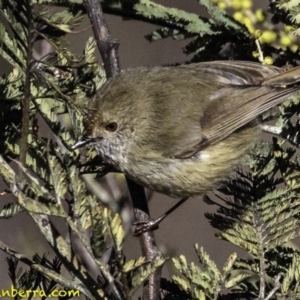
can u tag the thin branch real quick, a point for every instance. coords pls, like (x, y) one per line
(276, 287)
(27, 92)
(108, 49)
(261, 251)
(53, 237)
(107, 46)
(70, 284)
(147, 240)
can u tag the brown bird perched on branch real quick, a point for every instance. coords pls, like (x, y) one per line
(181, 130)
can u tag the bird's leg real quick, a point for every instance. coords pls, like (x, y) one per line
(143, 226)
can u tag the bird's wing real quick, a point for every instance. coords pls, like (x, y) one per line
(242, 100)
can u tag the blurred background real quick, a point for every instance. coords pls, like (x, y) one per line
(178, 233)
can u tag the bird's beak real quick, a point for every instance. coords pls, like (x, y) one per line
(83, 141)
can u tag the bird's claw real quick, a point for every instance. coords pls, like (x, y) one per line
(145, 226)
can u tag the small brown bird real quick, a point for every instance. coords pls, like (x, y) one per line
(181, 130)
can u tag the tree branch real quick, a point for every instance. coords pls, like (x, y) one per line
(27, 90)
(70, 284)
(108, 48)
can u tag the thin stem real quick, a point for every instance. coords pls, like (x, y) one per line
(108, 49)
(261, 253)
(75, 285)
(276, 287)
(53, 237)
(27, 92)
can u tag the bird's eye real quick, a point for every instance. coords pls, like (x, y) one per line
(111, 127)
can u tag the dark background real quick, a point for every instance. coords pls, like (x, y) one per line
(188, 225)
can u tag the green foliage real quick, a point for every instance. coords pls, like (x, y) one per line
(292, 9)
(206, 37)
(271, 36)
(59, 82)
(258, 210)
(29, 280)
(259, 213)
(262, 211)
(208, 282)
